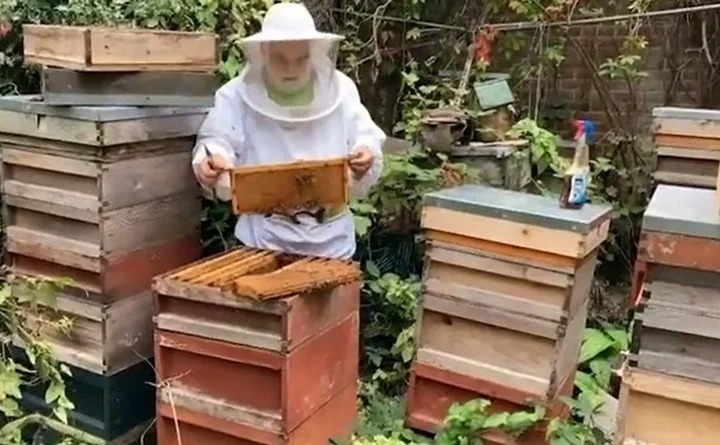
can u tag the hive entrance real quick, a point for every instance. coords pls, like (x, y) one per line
(263, 275)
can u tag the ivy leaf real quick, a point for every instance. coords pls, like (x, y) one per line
(10, 408)
(5, 293)
(372, 269)
(55, 391)
(594, 344)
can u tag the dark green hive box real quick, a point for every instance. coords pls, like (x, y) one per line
(106, 406)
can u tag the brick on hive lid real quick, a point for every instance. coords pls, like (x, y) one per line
(283, 188)
(473, 213)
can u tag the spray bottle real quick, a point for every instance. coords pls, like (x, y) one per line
(577, 176)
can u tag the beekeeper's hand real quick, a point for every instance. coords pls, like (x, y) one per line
(361, 159)
(210, 169)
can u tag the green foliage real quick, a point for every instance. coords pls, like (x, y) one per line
(389, 306)
(27, 306)
(542, 144)
(599, 350)
(466, 423)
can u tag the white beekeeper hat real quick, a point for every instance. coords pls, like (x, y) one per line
(285, 22)
(289, 21)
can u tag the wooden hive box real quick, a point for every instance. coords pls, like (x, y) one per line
(287, 187)
(105, 196)
(688, 146)
(681, 231)
(677, 330)
(150, 88)
(104, 339)
(117, 409)
(660, 409)
(506, 286)
(290, 355)
(84, 48)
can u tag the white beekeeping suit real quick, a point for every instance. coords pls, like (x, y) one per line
(290, 103)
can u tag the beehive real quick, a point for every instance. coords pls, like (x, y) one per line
(659, 409)
(287, 187)
(291, 349)
(84, 48)
(688, 146)
(506, 286)
(102, 195)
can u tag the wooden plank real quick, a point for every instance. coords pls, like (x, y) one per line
(177, 425)
(680, 365)
(501, 301)
(60, 250)
(119, 49)
(128, 332)
(685, 141)
(138, 181)
(284, 187)
(686, 171)
(48, 162)
(568, 347)
(490, 315)
(130, 228)
(687, 127)
(682, 318)
(564, 243)
(96, 133)
(520, 296)
(680, 251)
(667, 410)
(689, 153)
(68, 87)
(692, 296)
(478, 260)
(505, 357)
(685, 390)
(49, 207)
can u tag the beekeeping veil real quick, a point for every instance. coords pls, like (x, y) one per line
(290, 60)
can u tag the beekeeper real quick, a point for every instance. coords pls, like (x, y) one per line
(290, 103)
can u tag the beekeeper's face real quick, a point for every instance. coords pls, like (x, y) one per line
(288, 64)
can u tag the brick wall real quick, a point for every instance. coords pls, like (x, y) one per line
(671, 62)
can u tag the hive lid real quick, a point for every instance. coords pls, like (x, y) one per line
(33, 104)
(686, 113)
(683, 210)
(518, 207)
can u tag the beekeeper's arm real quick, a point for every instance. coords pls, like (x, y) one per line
(220, 133)
(364, 133)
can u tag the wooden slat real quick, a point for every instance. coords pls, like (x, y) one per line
(130, 228)
(74, 200)
(680, 365)
(68, 87)
(684, 141)
(688, 128)
(559, 242)
(505, 302)
(48, 162)
(491, 315)
(65, 251)
(119, 49)
(682, 318)
(689, 153)
(523, 382)
(686, 390)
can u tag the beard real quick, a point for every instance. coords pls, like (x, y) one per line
(287, 84)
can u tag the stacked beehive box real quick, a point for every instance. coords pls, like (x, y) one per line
(257, 347)
(671, 389)
(687, 141)
(105, 196)
(505, 300)
(688, 146)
